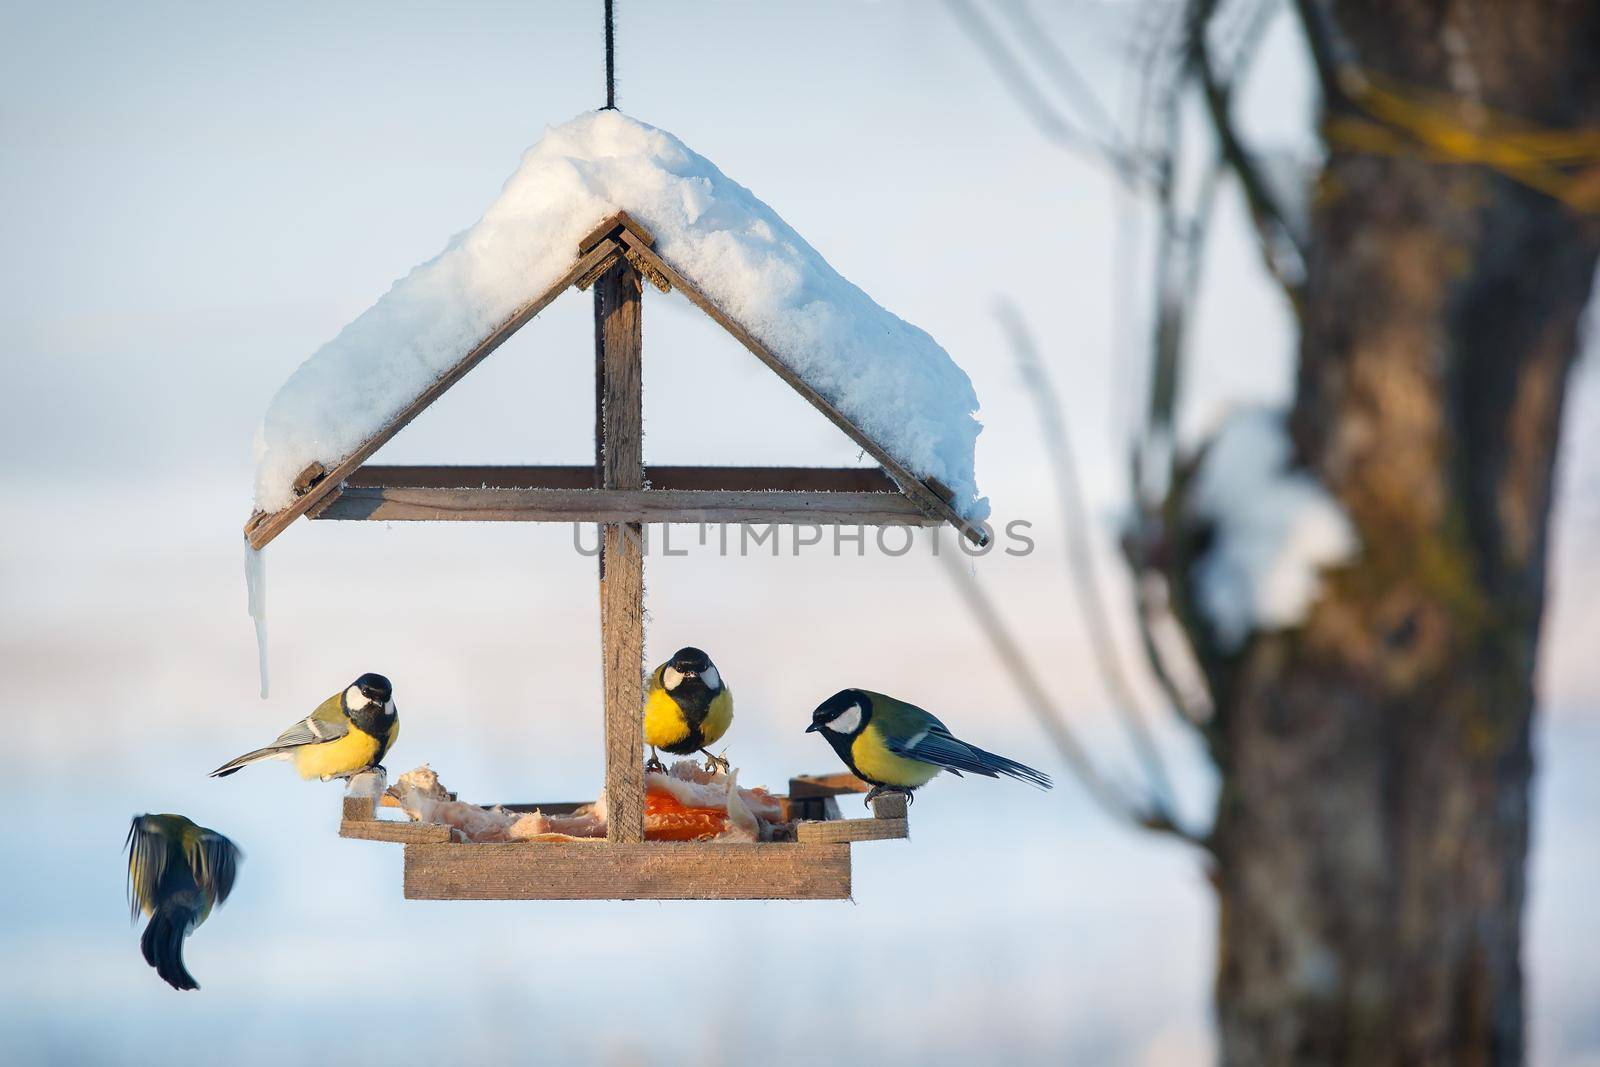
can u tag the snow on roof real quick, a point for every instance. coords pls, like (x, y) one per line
(1276, 530)
(889, 377)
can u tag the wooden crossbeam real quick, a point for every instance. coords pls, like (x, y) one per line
(784, 479)
(428, 504)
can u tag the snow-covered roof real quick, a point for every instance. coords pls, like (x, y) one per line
(892, 380)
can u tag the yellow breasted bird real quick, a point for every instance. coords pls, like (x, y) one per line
(347, 734)
(899, 747)
(177, 872)
(687, 708)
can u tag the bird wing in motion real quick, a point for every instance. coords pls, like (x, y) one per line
(213, 860)
(936, 745)
(147, 862)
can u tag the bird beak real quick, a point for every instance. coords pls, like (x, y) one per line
(813, 728)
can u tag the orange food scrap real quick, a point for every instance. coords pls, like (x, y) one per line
(667, 819)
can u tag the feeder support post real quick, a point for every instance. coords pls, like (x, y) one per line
(619, 457)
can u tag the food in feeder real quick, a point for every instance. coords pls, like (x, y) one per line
(177, 872)
(424, 799)
(348, 733)
(686, 803)
(688, 708)
(423, 781)
(899, 747)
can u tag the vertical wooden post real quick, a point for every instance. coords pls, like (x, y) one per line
(620, 457)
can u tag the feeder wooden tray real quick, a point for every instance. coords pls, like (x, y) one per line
(811, 863)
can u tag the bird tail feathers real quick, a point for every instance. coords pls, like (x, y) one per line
(998, 764)
(240, 762)
(162, 944)
(952, 754)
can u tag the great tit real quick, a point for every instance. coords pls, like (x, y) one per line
(177, 872)
(688, 708)
(899, 747)
(347, 734)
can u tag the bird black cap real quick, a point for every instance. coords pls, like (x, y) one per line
(374, 687)
(835, 706)
(690, 660)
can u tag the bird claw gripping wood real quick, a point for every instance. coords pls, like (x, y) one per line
(882, 790)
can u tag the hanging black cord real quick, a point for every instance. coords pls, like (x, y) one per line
(611, 62)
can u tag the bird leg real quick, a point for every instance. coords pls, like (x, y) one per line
(879, 790)
(654, 762)
(717, 764)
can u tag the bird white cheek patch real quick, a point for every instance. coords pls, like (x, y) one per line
(355, 699)
(847, 720)
(711, 678)
(671, 678)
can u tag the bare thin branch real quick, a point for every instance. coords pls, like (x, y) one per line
(1054, 61)
(1272, 224)
(1151, 816)
(1319, 42)
(1080, 562)
(1050, 121)
(1180, 255)
(1148, 614)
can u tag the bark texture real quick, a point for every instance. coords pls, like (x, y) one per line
(1372, 828)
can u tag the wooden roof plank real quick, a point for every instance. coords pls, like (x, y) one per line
(611, 224)
(263, 527)
(913, 486)
(598, 271)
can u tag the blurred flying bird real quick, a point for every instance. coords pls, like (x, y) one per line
(177, 872)
(899, 747)
(348, 733)
(687, 708)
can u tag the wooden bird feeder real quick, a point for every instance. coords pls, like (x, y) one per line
(620, 493)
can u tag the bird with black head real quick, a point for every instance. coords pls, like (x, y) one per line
(897, 747)
(347, 734)
(687, 709)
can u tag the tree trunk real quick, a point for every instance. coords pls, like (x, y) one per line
(1372, 829)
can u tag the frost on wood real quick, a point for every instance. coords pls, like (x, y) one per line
(255, 581)
(1275, 529)
(889, 377)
